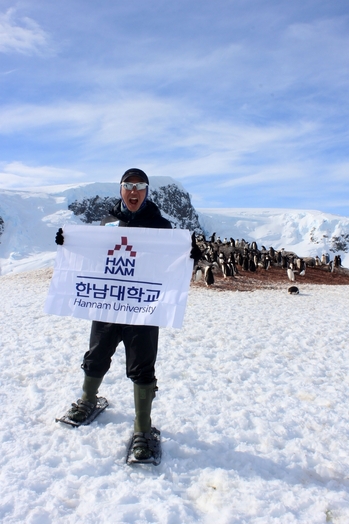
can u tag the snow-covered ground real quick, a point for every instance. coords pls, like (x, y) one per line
(252, 405)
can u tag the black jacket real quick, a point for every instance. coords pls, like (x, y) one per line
(147, 216)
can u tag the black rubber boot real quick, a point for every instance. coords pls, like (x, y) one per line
(143, 396)
(90, 388)
(80, 411)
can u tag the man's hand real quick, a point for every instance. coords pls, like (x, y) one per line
(195, 252)
(59, 237)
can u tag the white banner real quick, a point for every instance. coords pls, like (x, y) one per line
(122, 275)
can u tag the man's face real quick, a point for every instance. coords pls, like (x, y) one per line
(133, 198)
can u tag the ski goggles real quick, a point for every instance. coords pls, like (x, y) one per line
(130, 185)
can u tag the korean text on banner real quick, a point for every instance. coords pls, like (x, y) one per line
(122, 275)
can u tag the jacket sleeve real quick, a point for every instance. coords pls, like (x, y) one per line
(108, 220)
(166, 224)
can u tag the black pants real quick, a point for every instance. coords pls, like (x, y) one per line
(141, 346)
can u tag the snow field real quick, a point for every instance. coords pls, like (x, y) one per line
(252, 406)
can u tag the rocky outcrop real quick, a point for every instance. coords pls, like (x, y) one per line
(173, 202)
(176, 205)
(340, 243)
(92, 209)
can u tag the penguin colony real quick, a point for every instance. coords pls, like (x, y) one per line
(231, 256)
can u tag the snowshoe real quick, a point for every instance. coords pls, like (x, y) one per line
(82, 407)
(145, 448)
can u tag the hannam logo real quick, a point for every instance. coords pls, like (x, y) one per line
(123, 261)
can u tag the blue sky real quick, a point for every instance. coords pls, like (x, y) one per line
(246, 103)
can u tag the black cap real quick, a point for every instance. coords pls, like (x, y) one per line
(134, 172)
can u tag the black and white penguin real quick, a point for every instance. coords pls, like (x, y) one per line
(290, 274)
(252, 265)
(221, 259)
(232, 269)
(208, 277)
(337, 261)
(302, 272)
(293, 290)
(225, 269)
(198, 274)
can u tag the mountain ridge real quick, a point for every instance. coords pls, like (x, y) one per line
(29, 220)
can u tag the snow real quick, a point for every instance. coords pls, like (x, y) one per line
(252, 406)
(31, 219)
(104, 189)
(305, 232)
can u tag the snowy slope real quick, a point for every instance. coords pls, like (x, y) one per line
(29, 221)
(306, 233)
(252, 405)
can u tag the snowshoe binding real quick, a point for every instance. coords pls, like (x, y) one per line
(83, 413)
(145, 448)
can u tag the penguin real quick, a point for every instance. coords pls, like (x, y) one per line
(245, 264)
(302, 273)
(225, 269)
(208, 277)
(290, 275)
(231, 265)
(252, 265)
(198, 274)
(232, 269)
(221, 259)
(293, 290)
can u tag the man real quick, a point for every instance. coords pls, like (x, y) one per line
(141, 342)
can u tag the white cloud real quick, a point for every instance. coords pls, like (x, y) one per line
(17, 175)
(28, 116)
(23, 36)
(164, 132)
